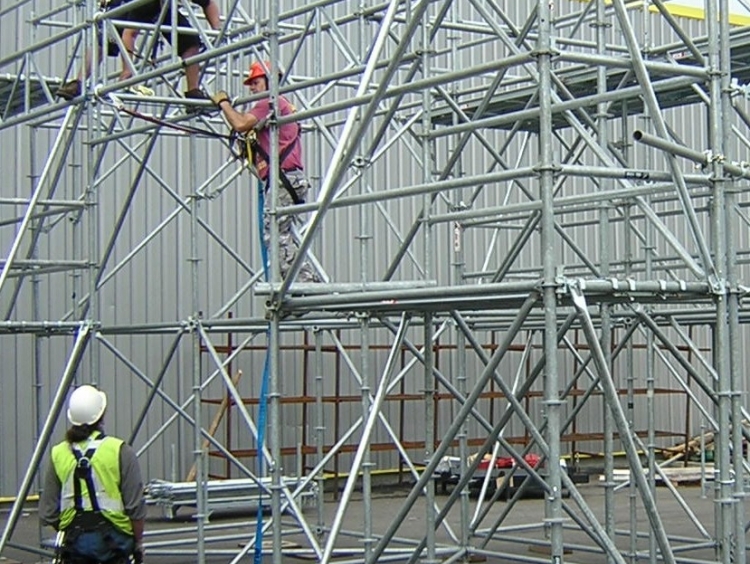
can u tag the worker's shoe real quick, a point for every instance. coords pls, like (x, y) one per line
(69, 90)
(196, 94)
(140, 90)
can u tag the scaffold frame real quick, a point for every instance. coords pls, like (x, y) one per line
(437, 131)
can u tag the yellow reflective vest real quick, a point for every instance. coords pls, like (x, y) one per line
(105, 474)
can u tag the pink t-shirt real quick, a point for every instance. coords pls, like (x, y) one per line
(288, 134)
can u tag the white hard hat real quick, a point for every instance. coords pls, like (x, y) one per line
(86, 405)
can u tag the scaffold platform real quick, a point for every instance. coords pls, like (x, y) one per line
(623, 89)
(22, 93)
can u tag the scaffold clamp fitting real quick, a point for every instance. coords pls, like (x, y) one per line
(192, 323)
(421, 51)
(562, 285)
(116, 101)
(561, 281)
(662, 287)
(718, 286)
(360, 161)
(603, 24)
(553, 168)
(742, 89)
(272, 306)
(712, 157)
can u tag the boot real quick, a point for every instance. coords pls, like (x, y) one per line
(69, 90)
(196, 94)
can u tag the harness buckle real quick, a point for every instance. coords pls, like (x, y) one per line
(84, 463)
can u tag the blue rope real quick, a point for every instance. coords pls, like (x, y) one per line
(261, 230)
(262, 409)
(263, 399)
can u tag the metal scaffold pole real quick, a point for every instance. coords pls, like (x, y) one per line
(602, 125)
(199, 454)
(736, 383)
(721, 336)
(545, 170)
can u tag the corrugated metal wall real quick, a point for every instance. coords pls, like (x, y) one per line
(155, 285)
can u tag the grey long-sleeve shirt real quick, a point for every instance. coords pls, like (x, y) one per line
(131, 489)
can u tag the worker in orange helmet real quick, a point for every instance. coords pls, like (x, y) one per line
(293, 182)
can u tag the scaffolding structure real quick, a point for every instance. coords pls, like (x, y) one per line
(528, 170)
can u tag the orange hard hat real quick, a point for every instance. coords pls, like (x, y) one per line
(257, 69)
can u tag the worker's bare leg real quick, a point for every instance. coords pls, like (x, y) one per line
(192, 71)
(128, 40)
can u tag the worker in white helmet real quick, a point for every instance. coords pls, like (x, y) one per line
(93, 490)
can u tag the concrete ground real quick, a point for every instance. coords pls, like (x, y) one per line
(230, 530)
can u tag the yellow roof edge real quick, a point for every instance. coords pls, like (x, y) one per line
(700, 14)
(684, 11)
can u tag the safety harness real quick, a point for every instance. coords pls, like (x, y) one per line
(82, 473)
(252, 147)
(88, 520)
(85, 520)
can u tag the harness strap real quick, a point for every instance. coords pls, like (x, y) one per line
(255, 147)
(81, 473)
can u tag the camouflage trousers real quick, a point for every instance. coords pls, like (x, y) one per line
(287, 243)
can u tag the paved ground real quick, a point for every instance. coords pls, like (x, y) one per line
(231, 529)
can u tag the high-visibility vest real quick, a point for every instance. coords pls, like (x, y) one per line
(105, 474)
